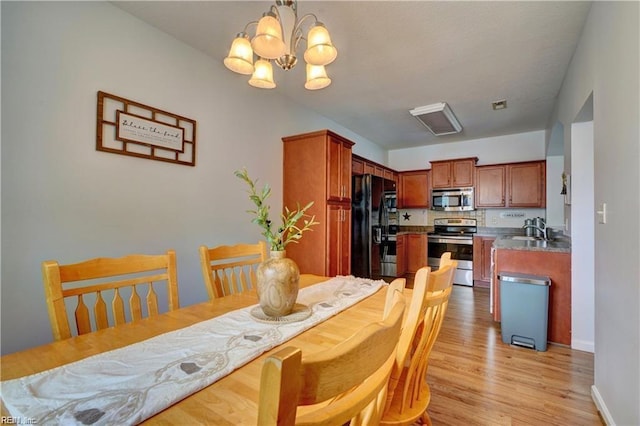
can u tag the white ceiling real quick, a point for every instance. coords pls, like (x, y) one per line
(397, 55)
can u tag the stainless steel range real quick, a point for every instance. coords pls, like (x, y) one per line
(456, 236)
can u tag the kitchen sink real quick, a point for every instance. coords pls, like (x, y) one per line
(526, 238)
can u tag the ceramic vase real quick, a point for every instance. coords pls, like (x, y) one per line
(278, 284)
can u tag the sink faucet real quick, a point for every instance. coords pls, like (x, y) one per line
(544, 230)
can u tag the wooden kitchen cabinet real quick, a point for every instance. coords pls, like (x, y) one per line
(338, 248)
(391, 175)
(357, 166)
(373, 169)
(317, 167)
(513, 185)
(526, 185)
(453, 173)
(555, 265)
(401, 255)
(491, 186)
(416, 252)
(413, 189)
(361, 166)
(482, 260)
(339, 168)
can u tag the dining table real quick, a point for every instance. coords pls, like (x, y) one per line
(231, 399)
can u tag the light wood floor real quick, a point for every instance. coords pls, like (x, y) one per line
(476, 379)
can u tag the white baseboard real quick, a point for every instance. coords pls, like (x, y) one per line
(583, 345)
(602, 407)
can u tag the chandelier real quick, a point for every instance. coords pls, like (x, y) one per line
(277, 36)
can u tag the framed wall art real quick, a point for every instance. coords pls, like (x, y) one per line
(130, 128)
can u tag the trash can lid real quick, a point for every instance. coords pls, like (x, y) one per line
(517, 277)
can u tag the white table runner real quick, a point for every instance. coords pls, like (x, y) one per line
(131, 384)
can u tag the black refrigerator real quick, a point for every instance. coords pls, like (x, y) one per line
(374, 227)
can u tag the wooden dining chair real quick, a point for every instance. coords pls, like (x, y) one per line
(408, 392)
(231, 269)
(346, 383)
(397, 285)
(445, 259)
(111, 278)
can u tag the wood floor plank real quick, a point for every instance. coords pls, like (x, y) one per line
(475, 379)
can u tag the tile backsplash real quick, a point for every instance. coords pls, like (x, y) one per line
(495, 218)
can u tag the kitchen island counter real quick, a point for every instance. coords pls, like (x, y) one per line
(522, 256)
(516, 242)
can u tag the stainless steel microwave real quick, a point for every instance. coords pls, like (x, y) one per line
(453, 200)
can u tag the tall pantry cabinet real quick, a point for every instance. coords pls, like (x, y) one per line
(317, 167)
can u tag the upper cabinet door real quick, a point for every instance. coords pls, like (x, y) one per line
(414, 189)
(463, 172)
(339, 169)
(357, 166)
(453, 173)
(441, 174)
(490, 186)
(345, 171)
(527, 186)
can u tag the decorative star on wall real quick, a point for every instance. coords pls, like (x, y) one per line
(406, 216)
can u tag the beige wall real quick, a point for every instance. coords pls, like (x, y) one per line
(61, 199)
(606, 65)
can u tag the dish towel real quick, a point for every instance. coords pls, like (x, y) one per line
(131, 384)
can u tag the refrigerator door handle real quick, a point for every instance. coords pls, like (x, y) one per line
(384, 214)
(377, 235)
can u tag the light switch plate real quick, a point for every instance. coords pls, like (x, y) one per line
(602, 213)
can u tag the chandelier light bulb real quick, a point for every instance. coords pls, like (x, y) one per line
(240, 58)
(268, 40)
(262, 77)
(316, 77)
(319, 51)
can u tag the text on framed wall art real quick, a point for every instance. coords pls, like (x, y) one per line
(131, 128)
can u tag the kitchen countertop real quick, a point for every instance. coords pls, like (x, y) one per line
(515, 242)
(506, 238)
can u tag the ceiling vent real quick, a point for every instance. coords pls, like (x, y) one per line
(438, 118)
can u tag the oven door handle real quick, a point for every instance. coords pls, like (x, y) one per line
(450, 240)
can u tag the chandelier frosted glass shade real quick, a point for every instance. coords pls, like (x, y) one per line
(277, 36)
(319, 51)
(240, 58)
(316, 77)
(262, 75)
(267, 42)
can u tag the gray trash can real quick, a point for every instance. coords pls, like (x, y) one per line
(524, 309)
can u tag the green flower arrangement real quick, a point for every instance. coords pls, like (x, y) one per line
(289, 231)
